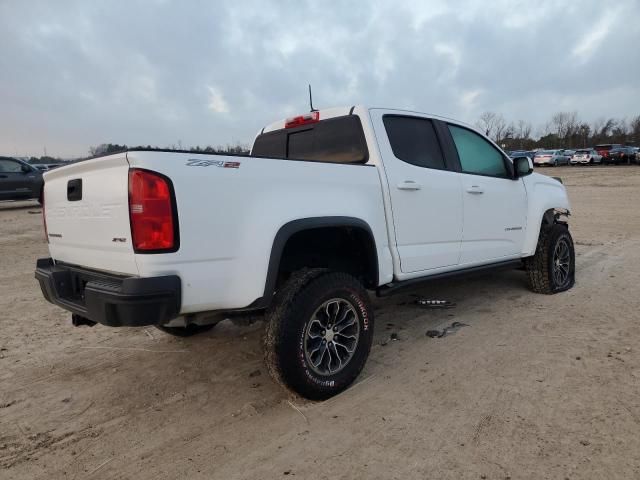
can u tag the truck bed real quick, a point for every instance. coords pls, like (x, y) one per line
(229, 209)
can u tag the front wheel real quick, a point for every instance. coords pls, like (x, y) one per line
(319, 333)
(552, 267)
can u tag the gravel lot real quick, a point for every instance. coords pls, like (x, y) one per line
(534, 387)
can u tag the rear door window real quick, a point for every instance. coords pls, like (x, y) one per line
(335, 140)
(477, 155)
(414, 140)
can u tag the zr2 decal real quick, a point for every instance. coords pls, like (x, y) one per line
(196, 162)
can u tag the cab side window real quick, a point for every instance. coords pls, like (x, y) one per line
(477, 155)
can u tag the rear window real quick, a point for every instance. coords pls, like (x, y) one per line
(335, 140)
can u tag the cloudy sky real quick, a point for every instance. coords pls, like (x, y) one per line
(80, 73)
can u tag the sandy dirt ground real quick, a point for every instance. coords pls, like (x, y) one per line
(534, 387)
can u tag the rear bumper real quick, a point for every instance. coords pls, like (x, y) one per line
(111, 300)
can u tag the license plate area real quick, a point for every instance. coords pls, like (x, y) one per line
(71, 282)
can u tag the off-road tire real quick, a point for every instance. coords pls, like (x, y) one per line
(292, 310)
(188, 331)
(540, 267)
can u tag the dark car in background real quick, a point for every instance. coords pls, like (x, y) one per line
(604, 148)
(522, 153)
(618, 155)
(19, 180)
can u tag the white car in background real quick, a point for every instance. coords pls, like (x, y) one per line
(585, 157)
(550, 157)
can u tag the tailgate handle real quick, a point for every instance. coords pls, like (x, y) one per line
(74, 190)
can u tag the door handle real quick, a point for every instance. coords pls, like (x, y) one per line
(475, 189)
(409, 185)
(3, 176)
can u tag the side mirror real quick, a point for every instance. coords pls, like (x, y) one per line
(26, 169)
(523, 166)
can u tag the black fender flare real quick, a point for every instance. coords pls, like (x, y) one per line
(284, 234)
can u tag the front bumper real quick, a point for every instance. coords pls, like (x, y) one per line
(111, 300)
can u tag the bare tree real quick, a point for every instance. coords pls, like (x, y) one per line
(502, 130)
(523, 130)
(620, 131)
(602, 129)
(492, 124)
(584, 132)
(565, 125)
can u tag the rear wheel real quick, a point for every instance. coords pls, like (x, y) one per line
(319, 333)
(552, 268)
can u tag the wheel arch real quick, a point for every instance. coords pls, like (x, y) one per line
(547, 197)
(546, 218)
(360, 228)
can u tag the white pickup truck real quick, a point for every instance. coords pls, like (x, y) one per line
(328, 205)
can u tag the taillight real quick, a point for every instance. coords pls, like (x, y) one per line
(154, 227)
(312, 117)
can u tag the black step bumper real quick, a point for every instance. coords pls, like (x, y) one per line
(111, 300)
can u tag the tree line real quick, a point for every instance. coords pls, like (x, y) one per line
(563, 130)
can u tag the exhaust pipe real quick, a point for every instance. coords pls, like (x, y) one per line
(78, 321)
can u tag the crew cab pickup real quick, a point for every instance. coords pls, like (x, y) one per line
(326, 207)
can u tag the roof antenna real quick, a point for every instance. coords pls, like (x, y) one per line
(311, 100)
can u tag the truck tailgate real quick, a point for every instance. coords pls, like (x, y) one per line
(87, 214)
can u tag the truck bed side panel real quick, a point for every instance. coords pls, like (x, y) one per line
(229, 218)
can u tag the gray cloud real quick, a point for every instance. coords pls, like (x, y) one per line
(77, 73)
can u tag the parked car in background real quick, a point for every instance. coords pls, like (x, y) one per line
(19, 180)
(618, 155)
(586, 156)
(519, 153)
(551, 158)
(637, 154)
(569, 153)
(604, 148)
